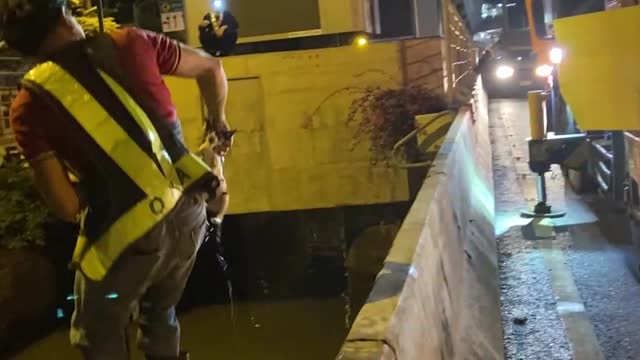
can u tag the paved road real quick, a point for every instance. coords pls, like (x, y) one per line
(567, 291)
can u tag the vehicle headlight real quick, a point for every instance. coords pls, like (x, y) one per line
(504, 71)
(544, 70)
(555, 55)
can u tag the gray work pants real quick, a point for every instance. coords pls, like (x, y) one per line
(151, 274)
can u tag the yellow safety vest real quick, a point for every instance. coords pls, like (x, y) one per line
(162, 185)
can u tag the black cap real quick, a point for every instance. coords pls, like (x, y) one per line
(219, 46)
(26, 23)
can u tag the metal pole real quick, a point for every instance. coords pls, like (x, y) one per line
(505, 16)
(100, 16)
(553, 118)
(541, 185)
(619, 165)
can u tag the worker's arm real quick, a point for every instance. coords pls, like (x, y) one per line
(50, 175)
(212, 80)
(52, 181)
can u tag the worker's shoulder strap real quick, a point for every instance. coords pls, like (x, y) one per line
(93, 67)
(73, 69)
(104, 55)
(100, 107)
(77, 62)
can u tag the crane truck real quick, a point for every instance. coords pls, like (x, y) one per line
(587, 119)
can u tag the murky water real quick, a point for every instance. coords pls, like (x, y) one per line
(297, 288)
(271, 327)
(287, 330)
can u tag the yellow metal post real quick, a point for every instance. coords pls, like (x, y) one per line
(538, 135)
(536, 114)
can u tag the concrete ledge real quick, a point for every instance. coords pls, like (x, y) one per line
(437, 296)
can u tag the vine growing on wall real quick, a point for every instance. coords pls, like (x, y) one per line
(383, 116)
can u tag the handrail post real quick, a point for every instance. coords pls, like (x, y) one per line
(100, 16)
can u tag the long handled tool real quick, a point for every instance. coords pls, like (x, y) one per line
(100, 16)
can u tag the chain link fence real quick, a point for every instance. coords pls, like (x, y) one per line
(12, 69)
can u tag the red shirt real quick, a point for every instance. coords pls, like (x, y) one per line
(145, 56)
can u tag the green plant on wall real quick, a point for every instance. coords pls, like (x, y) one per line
(88, 18)
(383, 116)
(22, 214)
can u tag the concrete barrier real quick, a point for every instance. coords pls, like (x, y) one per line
(437, 296)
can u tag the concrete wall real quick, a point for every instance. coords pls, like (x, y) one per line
(294, 150)
(437, 296)
(424, 63)
(194, 12)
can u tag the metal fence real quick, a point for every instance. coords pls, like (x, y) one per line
(12, 69)
(459, 52)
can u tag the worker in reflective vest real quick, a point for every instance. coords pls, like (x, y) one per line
(99, 109)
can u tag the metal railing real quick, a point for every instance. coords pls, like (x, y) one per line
(12, 70)
(459, 51)
(396, 158)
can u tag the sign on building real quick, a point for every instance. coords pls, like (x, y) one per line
(172, 15)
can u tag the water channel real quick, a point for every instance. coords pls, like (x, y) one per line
(299, 279)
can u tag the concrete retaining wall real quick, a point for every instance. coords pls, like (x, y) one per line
(294, 149)
(437, 296)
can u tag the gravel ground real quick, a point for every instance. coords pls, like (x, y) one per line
(525, 282)
(593, 243)
(609, 291)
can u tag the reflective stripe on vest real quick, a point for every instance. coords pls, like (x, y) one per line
(143, 122)
(187, 169)
(162, 190)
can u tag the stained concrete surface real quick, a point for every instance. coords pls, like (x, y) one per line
(565, 282)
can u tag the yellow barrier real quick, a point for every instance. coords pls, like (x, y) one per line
(536, 114)
(600, 75)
